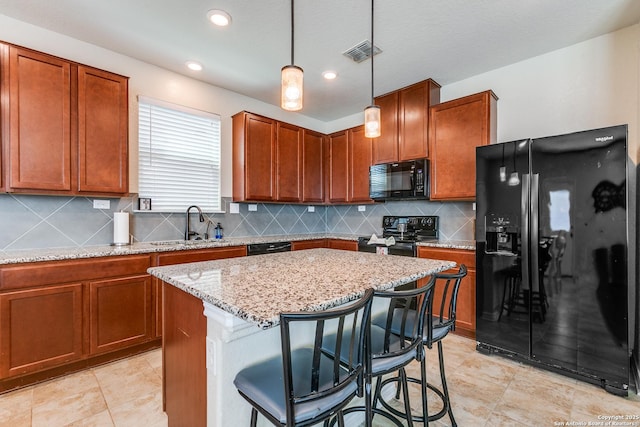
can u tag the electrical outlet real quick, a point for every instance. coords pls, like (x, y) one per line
(101, 204)
(234, 208)
(362, 208)
(253, 208)
(311, 209)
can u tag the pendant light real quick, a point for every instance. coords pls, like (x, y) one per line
(372, 112)
(514, 179)
(503, 169)
(291, 91)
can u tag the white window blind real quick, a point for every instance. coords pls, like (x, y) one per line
(179, 156)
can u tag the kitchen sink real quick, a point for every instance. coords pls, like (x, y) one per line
(178, 242)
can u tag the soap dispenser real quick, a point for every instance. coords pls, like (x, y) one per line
(218, 231)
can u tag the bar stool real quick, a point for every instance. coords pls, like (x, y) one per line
(436, 327)
(306, 385)
(390, 352)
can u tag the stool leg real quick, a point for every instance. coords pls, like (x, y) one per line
(423, 387)
(445, 389)
(254, 417)
(405, 392)
(504, 294)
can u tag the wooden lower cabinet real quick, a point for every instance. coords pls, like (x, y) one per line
(184, 377)
(309, 244)
(466, 304)
(347, 245)
(58, 317)
(181, 257)
(40, 328)
(120, 313)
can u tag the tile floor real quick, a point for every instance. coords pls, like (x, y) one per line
(486, 391)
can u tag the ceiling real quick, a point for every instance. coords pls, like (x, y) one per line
(447, 40)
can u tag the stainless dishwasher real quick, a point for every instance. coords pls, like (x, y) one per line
(268, 248)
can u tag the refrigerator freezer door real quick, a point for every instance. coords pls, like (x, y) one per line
(502, 320)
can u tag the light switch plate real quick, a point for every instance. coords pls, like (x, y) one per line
(234, 208)
(362, 208)
(253, 208)
(101, 204)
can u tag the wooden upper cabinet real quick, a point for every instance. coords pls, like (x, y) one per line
(350, 155)
(385, 147)
(288, 162)
(65, 129)
(338, 168)
(253, 157)
(102, 132)
(405, 122)
(313, 149)
(457, 127)
(40, 134)
(413, 119)
(360, 158)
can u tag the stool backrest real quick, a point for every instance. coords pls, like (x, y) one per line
(323, 378)
(404, 317)
(446, 287)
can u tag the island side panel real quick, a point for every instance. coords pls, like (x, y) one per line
(184, 383)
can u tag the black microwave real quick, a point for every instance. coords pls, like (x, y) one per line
(400, 180)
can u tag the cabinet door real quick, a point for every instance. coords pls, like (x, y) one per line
(119, 313)
(254, 158)
(39, 122)
(40, 328)
(385, 148)
(360, 154)
(288, 159)
(457, 128)
(102, 132)
(4, 113)
(413, 119)
(339, 167)
(312, 167)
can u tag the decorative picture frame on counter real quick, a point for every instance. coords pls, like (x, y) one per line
(144, 203)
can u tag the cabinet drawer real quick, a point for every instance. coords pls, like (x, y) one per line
(182, 257)
(460, 256)
(47, 273)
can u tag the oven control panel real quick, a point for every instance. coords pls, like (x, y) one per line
(414, 228)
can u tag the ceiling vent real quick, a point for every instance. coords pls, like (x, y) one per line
(361, 51)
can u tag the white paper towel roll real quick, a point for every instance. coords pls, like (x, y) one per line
(121, 228)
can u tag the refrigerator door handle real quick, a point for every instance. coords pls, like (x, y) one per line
(525, 242)
(534, 233)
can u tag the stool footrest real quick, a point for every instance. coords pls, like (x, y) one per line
(417, 418)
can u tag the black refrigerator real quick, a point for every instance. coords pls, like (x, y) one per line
(552, 254)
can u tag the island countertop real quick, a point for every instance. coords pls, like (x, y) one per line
(259, 288)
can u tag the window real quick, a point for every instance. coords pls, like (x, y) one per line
(179, 157)
(559, 210)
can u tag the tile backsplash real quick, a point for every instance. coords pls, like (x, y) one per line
(34, 222)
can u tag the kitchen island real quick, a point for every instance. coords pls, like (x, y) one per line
(219, 317)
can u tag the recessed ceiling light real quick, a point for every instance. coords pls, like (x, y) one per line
(219, 17)
(194, 66)
(329, 75)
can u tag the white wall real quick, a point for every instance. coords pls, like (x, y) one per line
(585, 86)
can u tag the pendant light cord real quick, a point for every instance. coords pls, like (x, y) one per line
(372, 45)
(292, 30)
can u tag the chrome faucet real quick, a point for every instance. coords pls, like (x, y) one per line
(188, 233)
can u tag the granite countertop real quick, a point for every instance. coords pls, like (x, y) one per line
(56, 254)
(259, 288)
